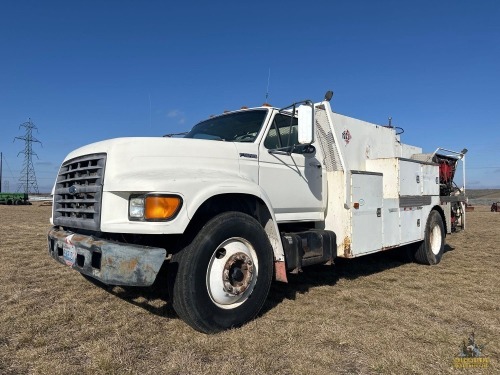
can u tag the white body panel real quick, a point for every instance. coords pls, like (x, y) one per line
(430, 179)
(409, 178)
(407, 188)
(391, 222)
(359, 141)
(366, 220)
(293, 178)
(411, 221)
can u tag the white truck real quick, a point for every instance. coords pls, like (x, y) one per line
(242, 199)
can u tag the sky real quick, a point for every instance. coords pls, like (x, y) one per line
(85, 71)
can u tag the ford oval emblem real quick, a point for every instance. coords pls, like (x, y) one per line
(73, 190)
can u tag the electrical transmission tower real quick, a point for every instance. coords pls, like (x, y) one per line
(27, 180)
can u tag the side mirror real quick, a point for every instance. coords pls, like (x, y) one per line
(306, 124)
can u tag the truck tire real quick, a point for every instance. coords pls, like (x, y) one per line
(221, 280)
(431, 249)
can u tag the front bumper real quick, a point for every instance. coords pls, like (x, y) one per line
(113, 263)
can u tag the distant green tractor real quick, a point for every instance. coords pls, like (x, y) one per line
(14, 198)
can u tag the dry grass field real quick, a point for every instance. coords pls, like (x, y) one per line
(373, 315)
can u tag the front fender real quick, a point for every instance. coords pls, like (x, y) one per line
(194, 186)
(239, 186)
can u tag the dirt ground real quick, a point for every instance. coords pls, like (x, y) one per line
(373, 315)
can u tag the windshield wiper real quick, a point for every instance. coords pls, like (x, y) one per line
(170, 135)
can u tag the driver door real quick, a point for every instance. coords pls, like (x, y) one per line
(294, 182)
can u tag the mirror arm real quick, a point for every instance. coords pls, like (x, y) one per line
(282, 150)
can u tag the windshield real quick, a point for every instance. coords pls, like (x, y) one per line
(234, 127)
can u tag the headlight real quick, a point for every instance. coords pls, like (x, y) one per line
(154, 207)
(136, 207)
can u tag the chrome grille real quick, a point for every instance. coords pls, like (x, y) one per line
(78, 191)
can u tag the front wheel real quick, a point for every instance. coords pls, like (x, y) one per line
(431, 249)
(221, 280)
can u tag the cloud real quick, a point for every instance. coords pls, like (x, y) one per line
(174, 113)
(177, 115)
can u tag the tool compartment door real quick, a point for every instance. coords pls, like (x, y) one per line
(366, 220)
(430, 177)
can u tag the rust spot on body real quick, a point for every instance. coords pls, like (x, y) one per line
(347, 247)
(390, 247)
(128, 265)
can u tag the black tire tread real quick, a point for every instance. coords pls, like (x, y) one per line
(424, 254)
(183, 295)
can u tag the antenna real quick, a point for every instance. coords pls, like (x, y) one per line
(149, 95)
(268, 79)
(30, 179)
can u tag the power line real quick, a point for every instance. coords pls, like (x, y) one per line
(8, 167)
(27, 180)
(483, 167)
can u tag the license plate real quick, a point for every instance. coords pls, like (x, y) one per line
(69, 251)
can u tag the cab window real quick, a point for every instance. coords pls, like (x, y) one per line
(283, 132)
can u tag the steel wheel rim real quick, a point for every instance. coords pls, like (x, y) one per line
(436, 240)
(232, 273)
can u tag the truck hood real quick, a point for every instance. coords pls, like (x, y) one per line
(133, 163)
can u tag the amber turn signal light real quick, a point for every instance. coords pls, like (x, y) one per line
(161, 207)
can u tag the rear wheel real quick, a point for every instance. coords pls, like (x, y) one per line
(431, 249)
(221, 280)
